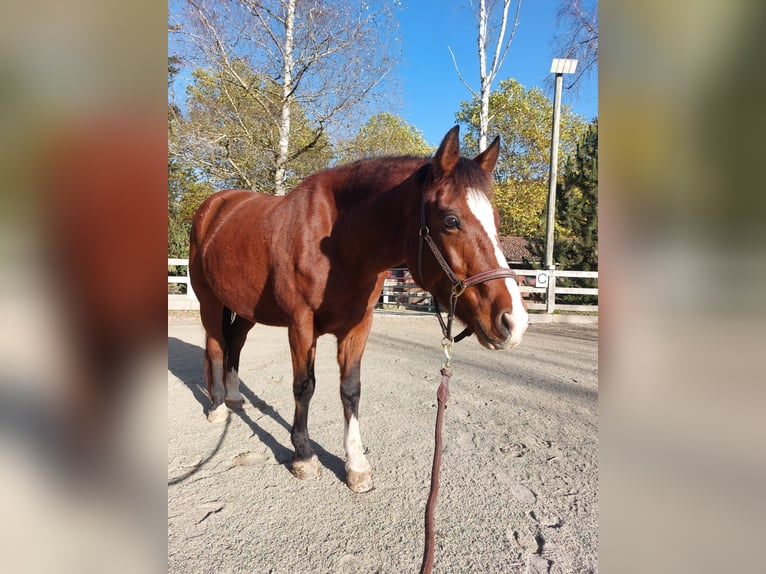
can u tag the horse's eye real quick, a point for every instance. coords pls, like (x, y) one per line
(451, 222)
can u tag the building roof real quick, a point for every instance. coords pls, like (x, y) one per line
(516, 249)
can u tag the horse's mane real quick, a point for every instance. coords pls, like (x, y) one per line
(467, 174)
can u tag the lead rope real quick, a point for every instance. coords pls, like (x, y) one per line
(442, 393)
(442, 396)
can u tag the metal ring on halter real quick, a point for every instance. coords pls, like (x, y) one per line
(458, 288)
(447, 346)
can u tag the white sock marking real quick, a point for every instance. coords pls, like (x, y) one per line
(356, 460)
(232, 386)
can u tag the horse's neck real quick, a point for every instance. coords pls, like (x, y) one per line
(379, 224)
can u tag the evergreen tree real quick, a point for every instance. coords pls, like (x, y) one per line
(577, 207)
(575, 244)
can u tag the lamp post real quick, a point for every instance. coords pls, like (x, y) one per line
(559, 67)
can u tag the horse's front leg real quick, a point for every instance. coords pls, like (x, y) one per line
(305, 464)
(350, 350)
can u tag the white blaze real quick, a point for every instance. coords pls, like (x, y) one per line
(483, 211)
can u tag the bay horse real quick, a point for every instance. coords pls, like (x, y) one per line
(315, 261)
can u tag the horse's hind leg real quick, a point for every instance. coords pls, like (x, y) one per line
(305, 464)
(211, 311)
(214, 355)
(235, 336)
(350, 349)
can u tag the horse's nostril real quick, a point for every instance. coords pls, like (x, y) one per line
(506, 323)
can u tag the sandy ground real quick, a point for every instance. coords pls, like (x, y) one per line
(520, 464)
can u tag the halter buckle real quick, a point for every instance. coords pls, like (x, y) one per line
(458, 288)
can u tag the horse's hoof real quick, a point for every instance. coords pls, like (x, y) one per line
(235, 405)
(219, 414)
(359, 481)
(306, 469)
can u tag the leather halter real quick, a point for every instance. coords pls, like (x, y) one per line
(458, 285)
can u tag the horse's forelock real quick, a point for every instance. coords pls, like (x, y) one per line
(467, 175)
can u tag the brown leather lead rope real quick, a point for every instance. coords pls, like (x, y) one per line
(442, 395)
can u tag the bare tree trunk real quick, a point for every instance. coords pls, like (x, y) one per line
(486, 81)
(280, 175)
(288, 73)
(487, 76)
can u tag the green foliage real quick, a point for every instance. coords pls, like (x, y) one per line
(577, 206)
(385, 134)
(232, 132)
(522, 118)
(519, 205)
(184, 197)
(575, 244)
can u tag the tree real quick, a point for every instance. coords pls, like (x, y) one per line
(184, 197)
(489, 34)
(522, 118)
(579, 40)
(185, 194)
(324, 58)
(575, 245)
(577, 206)
(385, 134)
(230, 138)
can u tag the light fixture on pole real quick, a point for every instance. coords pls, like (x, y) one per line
(559, 67)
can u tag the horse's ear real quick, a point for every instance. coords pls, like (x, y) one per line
(488, 158)
(447, 155)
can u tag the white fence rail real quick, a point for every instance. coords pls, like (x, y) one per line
(538, 287)
(177, 300)
(545, 286)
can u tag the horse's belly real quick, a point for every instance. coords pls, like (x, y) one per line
(243, 284)
(250, 299)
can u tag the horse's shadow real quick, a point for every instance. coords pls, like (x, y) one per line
(185, 361)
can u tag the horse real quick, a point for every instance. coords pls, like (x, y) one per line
(315, 260)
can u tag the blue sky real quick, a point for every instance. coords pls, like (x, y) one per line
(431, 90)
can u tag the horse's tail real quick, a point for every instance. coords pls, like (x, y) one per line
(228, 320)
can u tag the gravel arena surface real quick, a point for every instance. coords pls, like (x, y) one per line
(519, 477)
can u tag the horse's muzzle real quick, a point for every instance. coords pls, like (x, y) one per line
(512, 327)
(509, 330)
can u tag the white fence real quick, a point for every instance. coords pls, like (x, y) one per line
(544, 284)
(538, 287)
(176, 300)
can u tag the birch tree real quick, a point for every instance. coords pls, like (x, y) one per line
(492, 35)
(327, 57)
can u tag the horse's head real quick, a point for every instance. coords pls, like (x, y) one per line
(460, 219)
